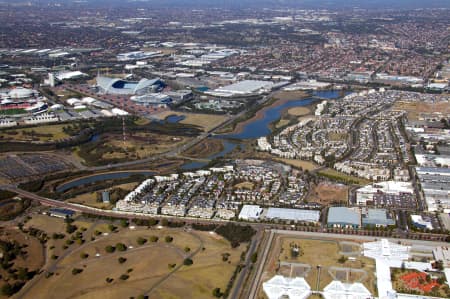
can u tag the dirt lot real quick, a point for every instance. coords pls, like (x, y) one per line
(414, 109)
(147, 265)
(205, 121)
(299, 111)
(142, 144)
(305, 165)
(328, 193)
(244, 185)
(89, 199)
(51, 132)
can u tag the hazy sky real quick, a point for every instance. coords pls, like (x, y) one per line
(373, 4)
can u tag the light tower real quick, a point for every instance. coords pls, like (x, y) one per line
(51, 79)
(124, 136)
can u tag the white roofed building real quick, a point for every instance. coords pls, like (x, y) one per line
(339, 290)
(283, 287)
(250, 212)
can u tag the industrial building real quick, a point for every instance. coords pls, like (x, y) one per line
(61, 213)
(435, 183)
(250, 212)
(118, 86)
(343, 217)
(297, 215)
(243, 88)
(136, 55)
(387, 194)
(376, 218)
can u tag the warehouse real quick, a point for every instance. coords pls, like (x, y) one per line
(293, 215)
(250, 212)
(243, 88)
(376, 218)
(343, 217)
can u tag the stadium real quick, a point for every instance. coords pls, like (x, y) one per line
(118, 86)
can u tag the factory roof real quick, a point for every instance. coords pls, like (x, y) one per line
(377, 217)
(343, 215)
(390, 187)
(249, 212)
(243, 88)
(293, 214)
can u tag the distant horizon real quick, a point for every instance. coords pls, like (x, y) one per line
(297, 4)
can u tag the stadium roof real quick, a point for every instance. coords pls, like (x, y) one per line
(293, 214)
(120, 86)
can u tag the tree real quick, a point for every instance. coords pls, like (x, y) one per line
(121, 247)
(70, 228)
(110, 249)
(217, 293)
(187, 262)
(7, 289)
(187, 249)
(124, 223)
(111, 227)
(124, 277)
(342, 259)
(122, 260)
(154, 239)
(84, 255)
(76, 271)
(254, 257)
(141, 241)
(168, 239)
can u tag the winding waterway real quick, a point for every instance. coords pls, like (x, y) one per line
(254, 129)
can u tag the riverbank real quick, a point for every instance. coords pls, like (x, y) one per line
(280, 98)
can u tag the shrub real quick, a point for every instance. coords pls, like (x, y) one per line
(168, 239)
(84, 255)
(124, 277)
(121, 247)
(154, 239)
(187, 262)
(76, 271)
(124, 223)
(122, 260)
(141, 241)
(110, 249)
(217, 293)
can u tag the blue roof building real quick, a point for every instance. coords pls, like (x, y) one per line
(343, 217)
